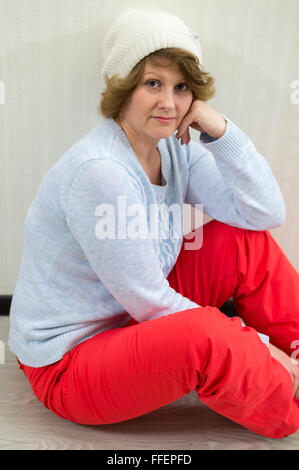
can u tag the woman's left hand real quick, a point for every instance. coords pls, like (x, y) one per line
(202, 117)
(290, 364)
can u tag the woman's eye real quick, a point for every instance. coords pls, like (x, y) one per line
(185, 85)
(151, 81)
(157, 81)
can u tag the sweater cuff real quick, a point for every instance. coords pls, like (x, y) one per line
(265, 339)
(228, 147)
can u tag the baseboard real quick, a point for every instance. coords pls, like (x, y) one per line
(5, 301)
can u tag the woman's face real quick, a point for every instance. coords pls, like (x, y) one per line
(161, 92)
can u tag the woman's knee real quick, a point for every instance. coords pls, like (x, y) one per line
(224, 352)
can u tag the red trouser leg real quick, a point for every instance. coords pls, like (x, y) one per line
(126, 372)
(251, 267)
(267, 297)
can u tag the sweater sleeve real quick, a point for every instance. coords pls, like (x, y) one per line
(128, 267)
(234, 182)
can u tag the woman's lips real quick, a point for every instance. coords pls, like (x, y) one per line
(164, 120)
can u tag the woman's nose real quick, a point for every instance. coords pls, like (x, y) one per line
(167, 102)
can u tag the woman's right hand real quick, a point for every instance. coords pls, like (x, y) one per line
(290, 364)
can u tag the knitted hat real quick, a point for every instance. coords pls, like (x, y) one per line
(137, 33)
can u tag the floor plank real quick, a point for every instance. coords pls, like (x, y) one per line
(186, 424)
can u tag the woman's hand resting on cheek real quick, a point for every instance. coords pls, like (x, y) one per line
(202, 117)
(290, 364)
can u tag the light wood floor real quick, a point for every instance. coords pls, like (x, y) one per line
(184, 424)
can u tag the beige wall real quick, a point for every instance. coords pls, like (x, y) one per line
(50, 84)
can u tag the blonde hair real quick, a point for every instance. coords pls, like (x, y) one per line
(118, 90)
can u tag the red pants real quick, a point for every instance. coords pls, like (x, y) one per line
(127, 372)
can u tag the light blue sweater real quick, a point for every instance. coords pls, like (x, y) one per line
(73, 283)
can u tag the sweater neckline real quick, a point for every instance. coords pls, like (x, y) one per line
(125, 140)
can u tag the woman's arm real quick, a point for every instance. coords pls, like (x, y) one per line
(234, 182)
(128, 267)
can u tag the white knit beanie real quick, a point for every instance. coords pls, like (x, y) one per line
(137, 33)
